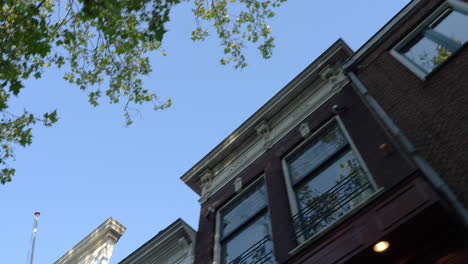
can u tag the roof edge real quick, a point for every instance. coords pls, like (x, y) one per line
(249, 125)
(161, 237)
(379, 36)
(110, 228)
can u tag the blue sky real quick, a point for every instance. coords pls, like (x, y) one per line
(89, 166)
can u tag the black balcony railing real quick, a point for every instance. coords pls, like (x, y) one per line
(260, 252)
(322, 210)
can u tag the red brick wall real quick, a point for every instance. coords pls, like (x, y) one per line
(367, 135)
(433, 113)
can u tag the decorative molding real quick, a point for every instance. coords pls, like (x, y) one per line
(284, 112)
(206, 181)
(334, 76)
(328, 74)
(183, 242)
(263, 130)
(304, 129)
(97, 247)
(242, 137)
(338, 81)
(174, 244)
(238, 184)
(309, 102)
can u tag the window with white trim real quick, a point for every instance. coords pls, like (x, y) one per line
(435, 40)
(327, 180)
(245, 230)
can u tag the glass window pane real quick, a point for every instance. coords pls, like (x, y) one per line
(329, 195)
(252, 245)
(454, 26)
(426, 54)
(316, 152)
(429, 53)
(326, 179)
(243, 210)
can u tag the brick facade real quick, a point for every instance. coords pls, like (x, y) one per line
(433, 113)
(405, 209)
(389, 171)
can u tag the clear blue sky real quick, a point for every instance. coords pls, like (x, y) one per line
(89, 166)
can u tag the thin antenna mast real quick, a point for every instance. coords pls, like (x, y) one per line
(36, 218)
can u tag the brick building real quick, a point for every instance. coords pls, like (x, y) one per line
(416, 68)
(359, 159)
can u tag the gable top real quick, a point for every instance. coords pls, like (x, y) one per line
(108, 230)
(162, 243)
(335, 54)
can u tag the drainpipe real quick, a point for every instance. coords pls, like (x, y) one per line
(431, 175)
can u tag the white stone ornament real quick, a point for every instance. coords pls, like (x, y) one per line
(304, 129)
(263, 130)
(206, 181)
(238, 184)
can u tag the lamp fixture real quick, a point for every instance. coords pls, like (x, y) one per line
(381, 246)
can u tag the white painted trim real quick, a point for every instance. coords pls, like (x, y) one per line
(382, 32)
(289, 186)
(100, 241)
(170, 237)
(370, 177)
(217, 240)
(310, 101)
(338, 49)
(408, 64)
(413, 34)
(290, 190)
(374, 40)
(458, 4)
(217, 244)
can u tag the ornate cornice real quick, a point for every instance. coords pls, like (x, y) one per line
(317, 83)
(175, 242)
(104, 236)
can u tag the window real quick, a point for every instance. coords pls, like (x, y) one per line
(245, 232)
(435, 40)
(327, 180)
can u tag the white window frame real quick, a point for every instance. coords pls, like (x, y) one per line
(290, 188)
(217, 251)
(458, 5)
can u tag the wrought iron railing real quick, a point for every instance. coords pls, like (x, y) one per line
(324, 209)
(260, 252)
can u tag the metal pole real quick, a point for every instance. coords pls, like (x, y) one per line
(36, 218)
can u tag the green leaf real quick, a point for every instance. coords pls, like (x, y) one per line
(15, 87)
(105, 45)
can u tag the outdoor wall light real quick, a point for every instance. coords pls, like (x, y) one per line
(381, 246)
(385, 148)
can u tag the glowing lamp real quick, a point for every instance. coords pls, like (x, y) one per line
(381, 246)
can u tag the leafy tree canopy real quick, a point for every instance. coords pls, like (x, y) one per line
(105, 45)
